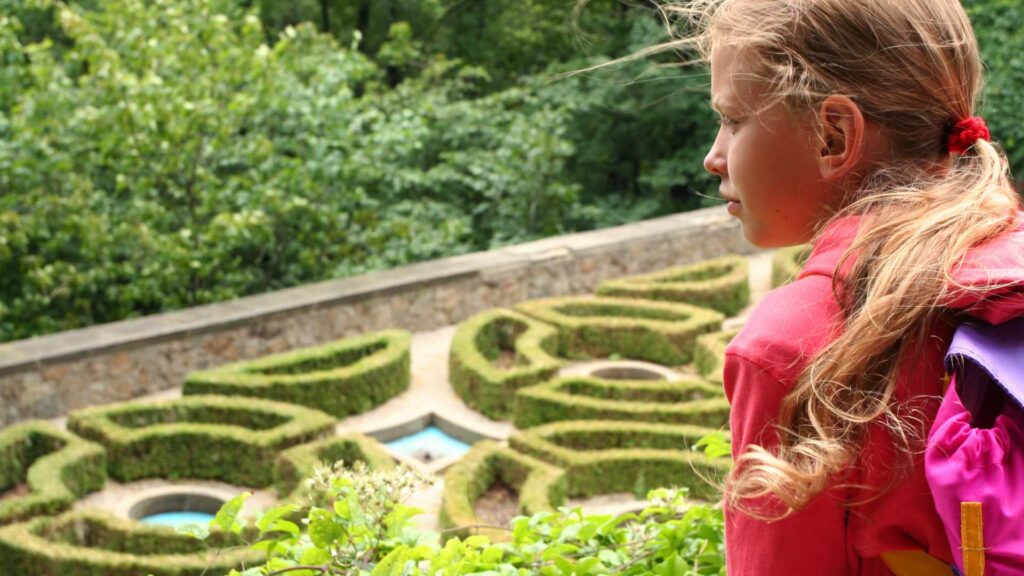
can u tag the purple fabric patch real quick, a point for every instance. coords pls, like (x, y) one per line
(982, 354)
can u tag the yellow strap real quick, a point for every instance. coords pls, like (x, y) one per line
(972, 538)
(915, 563)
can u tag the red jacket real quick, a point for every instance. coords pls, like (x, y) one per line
(762, 364)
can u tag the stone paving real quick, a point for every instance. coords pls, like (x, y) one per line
(428, 393)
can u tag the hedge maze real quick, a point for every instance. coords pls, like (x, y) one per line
(341, 378)
(720, 284)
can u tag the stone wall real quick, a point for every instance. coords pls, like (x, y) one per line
(48, 376)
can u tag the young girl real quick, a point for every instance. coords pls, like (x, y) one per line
(851, 124)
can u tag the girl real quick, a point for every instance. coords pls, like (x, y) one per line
(851, 124)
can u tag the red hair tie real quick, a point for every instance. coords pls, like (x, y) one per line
(966, 133)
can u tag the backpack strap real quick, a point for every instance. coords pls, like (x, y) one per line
(915, 563)
(986, 359)
(972, 538)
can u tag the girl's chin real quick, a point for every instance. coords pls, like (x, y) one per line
(733, 208)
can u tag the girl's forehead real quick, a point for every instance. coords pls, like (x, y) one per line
(733, 80)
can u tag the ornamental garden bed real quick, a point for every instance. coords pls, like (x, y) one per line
(721, 284)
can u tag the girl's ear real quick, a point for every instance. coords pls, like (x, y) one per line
(842, 137)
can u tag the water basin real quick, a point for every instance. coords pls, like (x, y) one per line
(429, 445)
(175, 519)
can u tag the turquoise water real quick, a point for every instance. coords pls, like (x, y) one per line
(178, 518)
(429, 444)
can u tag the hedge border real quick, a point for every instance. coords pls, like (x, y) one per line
(226, 452)
(298, 462)
(487, 388)
(549, 402)
(56, 479)
(667, 340)
(787, 263)
(25, 549)
(541, 487)
(709, 354)
(353, 388)
(728, 292)
(619, 468)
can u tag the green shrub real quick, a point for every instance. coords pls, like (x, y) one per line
(541, 487)
(235, 440)
(660, 332)
(497, 352)
(709, 354)
(95, 544)
(721, 284)
(576, 398)
(601, 457)
(787, 262)
(341, 378)
(58, 468)
(296, 464)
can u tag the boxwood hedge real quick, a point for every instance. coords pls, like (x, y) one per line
(57, 468)
(606, 456)
(297, 463)
(579, 398)
(483, 342)
(721, 284)
(787, 262)
(709, 354)
(541, 487)
(596, 326)
(88, 543)
(341, 378)
(235, 440)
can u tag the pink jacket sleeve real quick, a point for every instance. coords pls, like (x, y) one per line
(811, 542)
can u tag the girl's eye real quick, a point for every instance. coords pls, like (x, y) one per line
(726, 121)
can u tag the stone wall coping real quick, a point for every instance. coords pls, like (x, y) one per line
(22, 355)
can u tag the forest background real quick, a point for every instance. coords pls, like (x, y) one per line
(159, 154)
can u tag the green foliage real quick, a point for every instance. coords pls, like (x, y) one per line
(345, 377)
(709, 354)
(234, 440)
(57, 468)
(298, 463)
(787, 263)
(721, 284)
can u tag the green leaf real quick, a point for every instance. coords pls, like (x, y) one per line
(227, 517)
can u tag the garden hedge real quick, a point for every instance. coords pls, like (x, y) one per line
(721, 284)
(58, 468)
(709, 354)
(597, 326)
(88, 543)
(489, 337)
(601, 457)
(579, 398)
(341, 378)
(234, 440)
(541, 487)
(787, 263)
(296, 464)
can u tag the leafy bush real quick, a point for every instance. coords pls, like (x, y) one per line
(299, 462)
(709, 354)
(721, 284)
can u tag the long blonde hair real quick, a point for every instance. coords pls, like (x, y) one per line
(912, 66)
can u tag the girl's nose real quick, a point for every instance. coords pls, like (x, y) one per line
(714, 162)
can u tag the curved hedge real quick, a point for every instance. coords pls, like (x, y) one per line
(597, 326)
(721, 284)
(234, 440)
(709, 354)
(298, 463)
(541, 487)
(579, 398)
(94, 544)
(57, 467)
(787, 263)
(482, 341)
(341, 378)
(606, 456)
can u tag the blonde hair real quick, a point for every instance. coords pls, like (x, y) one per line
(912, 66)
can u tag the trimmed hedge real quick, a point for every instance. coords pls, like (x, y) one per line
(600, 457)
(721, 284)
(787, 263)
(57, 467)
(579, 398)
(478, 345)
(596, 326)
(709, 354)
(235, 440)
(541, 487)
(341, 378)
(296, 464)
(95, 544)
